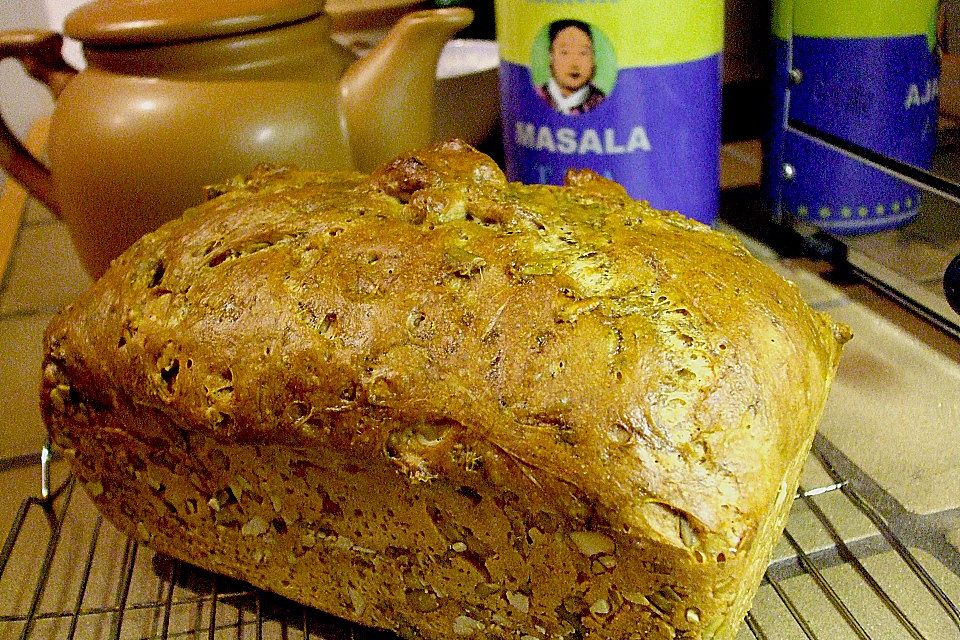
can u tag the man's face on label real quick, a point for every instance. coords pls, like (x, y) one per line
(571, 59)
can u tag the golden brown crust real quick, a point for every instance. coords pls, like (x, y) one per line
(635, 372)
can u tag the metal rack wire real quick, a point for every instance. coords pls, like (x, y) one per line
(91, 582)
(889, 616)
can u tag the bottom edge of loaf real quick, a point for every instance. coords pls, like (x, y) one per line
(427, 560)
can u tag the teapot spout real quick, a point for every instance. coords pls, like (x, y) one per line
(387, 97)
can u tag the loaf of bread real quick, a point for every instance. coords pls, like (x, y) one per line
(435, 402)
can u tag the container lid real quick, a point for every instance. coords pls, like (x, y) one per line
(143, 22)
(360, 15)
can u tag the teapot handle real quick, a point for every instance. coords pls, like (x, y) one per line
(39, 53)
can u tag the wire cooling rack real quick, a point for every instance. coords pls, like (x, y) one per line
(851, 565)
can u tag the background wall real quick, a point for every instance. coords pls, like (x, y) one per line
(22, 99)
(56, 11)
(746, 35)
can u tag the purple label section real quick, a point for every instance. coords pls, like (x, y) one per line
(880, 93)
(657, 134)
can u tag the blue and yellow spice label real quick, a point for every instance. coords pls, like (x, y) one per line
(627, 88)
(869, 73)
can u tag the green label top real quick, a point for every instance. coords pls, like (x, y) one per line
(644, 32)
(854, 18)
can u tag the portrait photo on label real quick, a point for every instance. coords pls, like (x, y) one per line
(573, 66)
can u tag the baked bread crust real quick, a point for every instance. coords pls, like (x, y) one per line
(432, 401)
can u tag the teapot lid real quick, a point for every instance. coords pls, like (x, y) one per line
(145, 22)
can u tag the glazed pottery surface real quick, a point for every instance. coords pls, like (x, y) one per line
(178, 95)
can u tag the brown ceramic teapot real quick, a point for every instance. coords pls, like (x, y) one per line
(179, 94)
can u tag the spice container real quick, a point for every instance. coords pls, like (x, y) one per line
(629, 89)
(865, 71)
